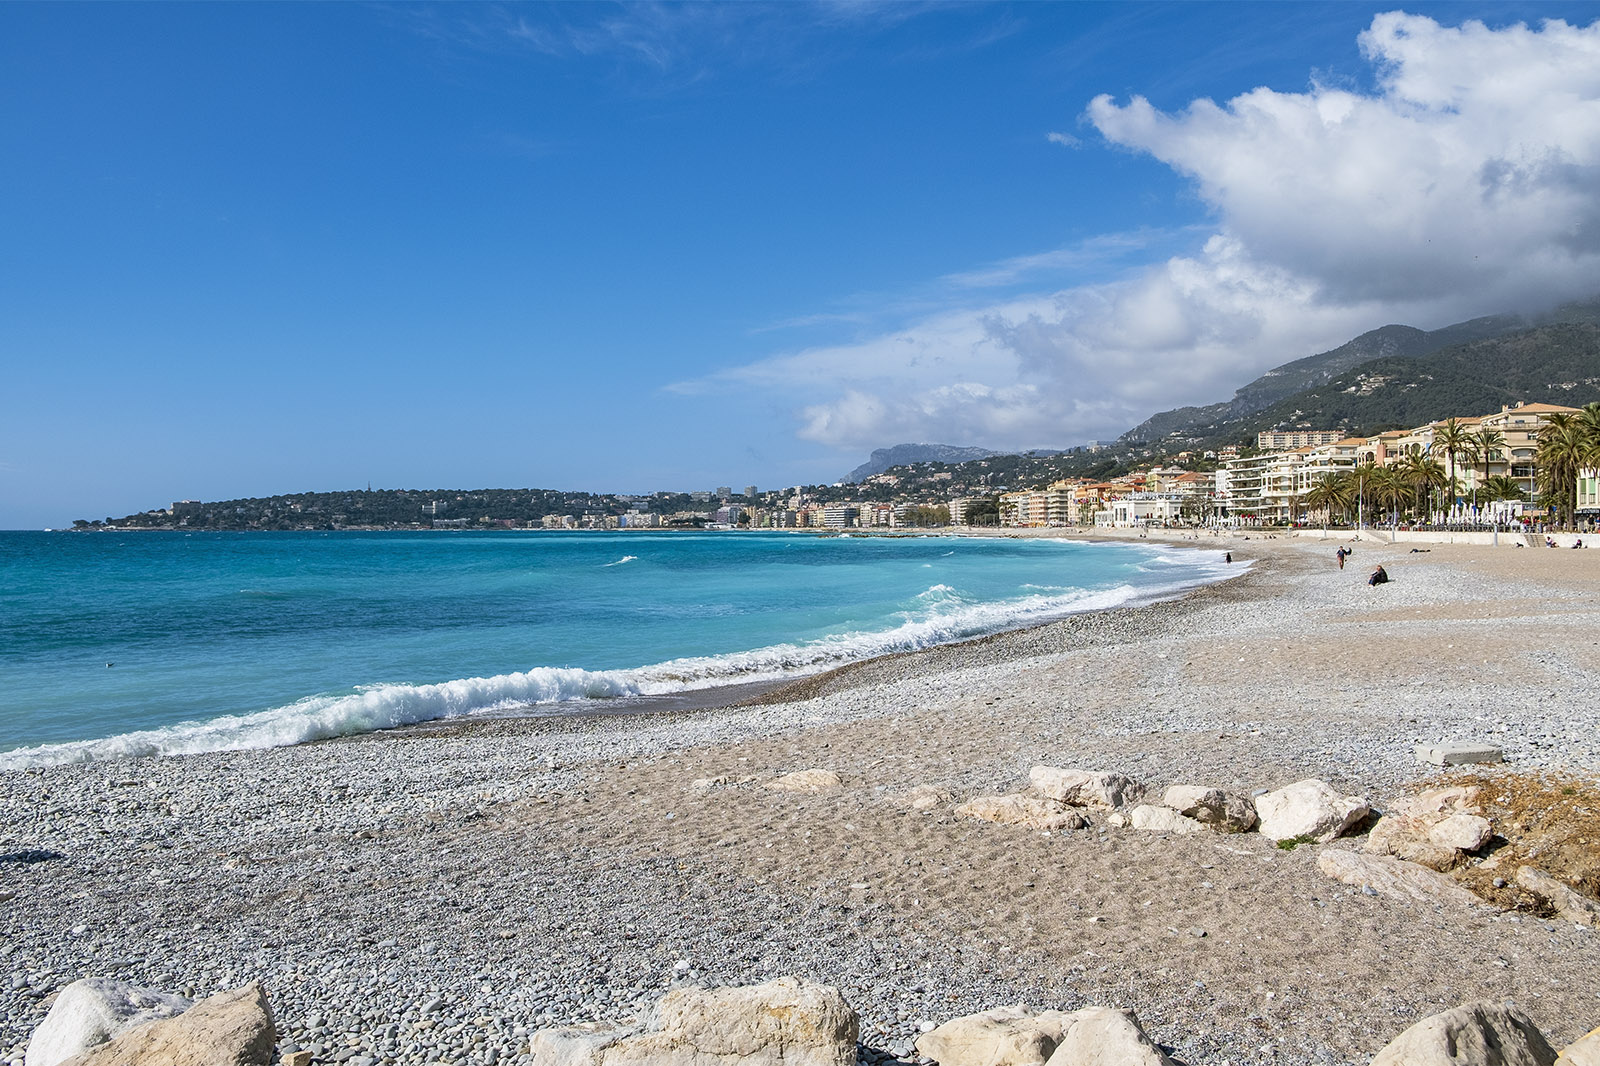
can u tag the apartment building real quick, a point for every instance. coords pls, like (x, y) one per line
(1284, 440)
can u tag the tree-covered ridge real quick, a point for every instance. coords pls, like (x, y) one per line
(396, 508)
(1312, 371)
(1549, 364)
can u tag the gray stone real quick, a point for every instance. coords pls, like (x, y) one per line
(1569, 904)
(1475, 1034)
(1085, 788)
(94, 1010)
(1005, 1036)
(1381, 875)
(784, 1022)
(1106, 1036)
(1311, 809)
(1459, 753)
(228, 1029)
(1163, 820)
(1022, 809)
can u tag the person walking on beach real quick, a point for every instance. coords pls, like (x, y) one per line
(1340, 554)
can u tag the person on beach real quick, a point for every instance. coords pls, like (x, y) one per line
(1380, 576)
(1340, 554)
(1227, 557)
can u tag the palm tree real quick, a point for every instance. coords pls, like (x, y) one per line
(1333, 492)
(1563, 448)
(1487, 443)
(1454, 438)
(1424, 474)
(1388, 489)
(1501, 487)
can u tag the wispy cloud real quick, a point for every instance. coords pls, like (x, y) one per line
(664, 46)
(1066, 140)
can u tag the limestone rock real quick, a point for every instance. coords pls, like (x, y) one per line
(1435, 841)
(1434, 828)
(296, 1058)
(1393, 877)
(94, 1010)
(1106, 1036)
(1459, 753)
(1440, 802)
(1475, 1034)
(785, 1022)
(228, 1029)
(807, 781)
(1022, 809)
(1227, 811)
(928, 798)
(1572, 906)
(1163, 820)
(1309, 809)
(1585, 1052)
(1084, 788)
(1005, 1036)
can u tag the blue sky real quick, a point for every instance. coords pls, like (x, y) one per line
(248, 249)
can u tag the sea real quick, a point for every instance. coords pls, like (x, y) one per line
(120, 644)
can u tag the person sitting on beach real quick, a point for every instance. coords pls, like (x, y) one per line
(1380, 576)
(1549, 542)
(1578, 543)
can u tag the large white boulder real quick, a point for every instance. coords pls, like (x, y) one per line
(1005, 1036)
(1436, 828)
(1309, 809)
(1019, 808)
(232, 1028)
(1085, 788)
(1585, 1051)
(1387, 876)
(1106, 1036)
(94, 1010)
(1226, 811)
(784, 1022)
(1162, 820)
(1475, 1034)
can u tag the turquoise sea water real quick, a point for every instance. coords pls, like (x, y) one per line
(237, 640)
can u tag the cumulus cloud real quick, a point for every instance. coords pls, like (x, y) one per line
(1467, 182)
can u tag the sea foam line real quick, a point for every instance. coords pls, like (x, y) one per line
(940, 617)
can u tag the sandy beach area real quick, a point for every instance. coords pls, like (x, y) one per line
(435, 894)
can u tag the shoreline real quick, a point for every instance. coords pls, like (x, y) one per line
(549, 871)
(726, 690)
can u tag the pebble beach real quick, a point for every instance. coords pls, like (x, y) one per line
(435, 894)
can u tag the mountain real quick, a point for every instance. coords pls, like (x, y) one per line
(906, 454)
(1557, 364)
(1387, 342)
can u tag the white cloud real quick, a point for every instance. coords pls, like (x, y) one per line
(1467, 183)
(1065, 140)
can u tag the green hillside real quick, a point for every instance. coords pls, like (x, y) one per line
(1550, 364)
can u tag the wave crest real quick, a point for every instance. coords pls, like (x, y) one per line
(938, 615)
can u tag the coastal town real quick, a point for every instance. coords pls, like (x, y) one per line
(1525, 465)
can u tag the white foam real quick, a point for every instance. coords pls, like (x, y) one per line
(624, 559)
(940, 615)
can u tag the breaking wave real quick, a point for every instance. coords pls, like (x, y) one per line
(937, 615)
